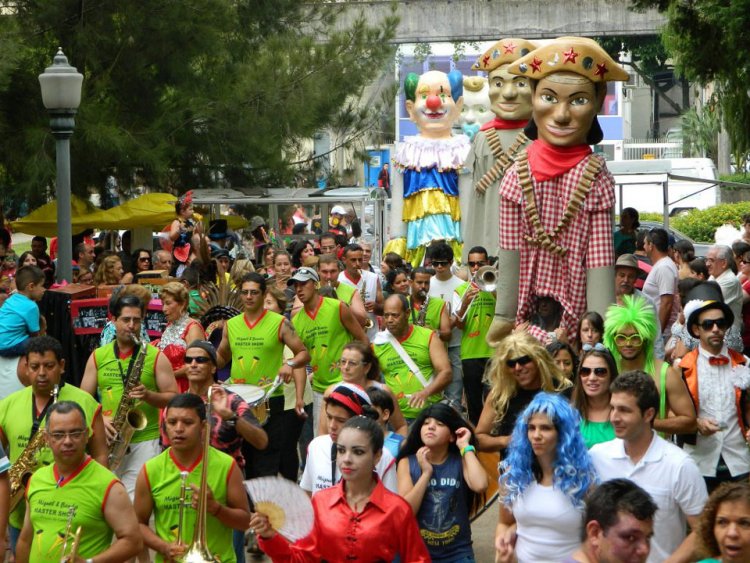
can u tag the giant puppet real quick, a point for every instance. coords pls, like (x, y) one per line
(497, 142)
(425, 205)
(476, 110)
(557, 198)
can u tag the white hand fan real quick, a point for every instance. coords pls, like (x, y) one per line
(287, 506)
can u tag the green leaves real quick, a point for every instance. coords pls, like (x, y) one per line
(186, 94)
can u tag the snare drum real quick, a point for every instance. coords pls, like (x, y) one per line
(255, 397)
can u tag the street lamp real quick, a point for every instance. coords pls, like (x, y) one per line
(61, 95)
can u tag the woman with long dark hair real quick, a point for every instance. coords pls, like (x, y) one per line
(591, 395)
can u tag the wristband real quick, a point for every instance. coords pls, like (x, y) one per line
(467, 449)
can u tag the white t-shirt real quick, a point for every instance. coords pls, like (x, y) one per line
(370, 282)
(444, 290)
(662, 280)
(672, 479)
(317, 474)
(548, 525)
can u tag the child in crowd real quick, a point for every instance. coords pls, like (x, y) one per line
(442, 479)
(19, 315)
(383, 403)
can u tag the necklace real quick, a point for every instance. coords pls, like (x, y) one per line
(542, 238)
(354, 501)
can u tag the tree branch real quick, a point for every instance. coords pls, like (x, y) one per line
(661, 93)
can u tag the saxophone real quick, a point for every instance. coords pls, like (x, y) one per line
(363, 293)
(27, 462)
(128, 418)
(423, 311)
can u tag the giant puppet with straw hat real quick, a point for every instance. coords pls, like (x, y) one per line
(425, 207)
(496, 143)
(556, 200)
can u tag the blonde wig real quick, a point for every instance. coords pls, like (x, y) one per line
(499, 376)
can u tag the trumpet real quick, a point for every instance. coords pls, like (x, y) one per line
(484, 279)
(65, 556)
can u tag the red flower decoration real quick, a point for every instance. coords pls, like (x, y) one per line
(570, 56)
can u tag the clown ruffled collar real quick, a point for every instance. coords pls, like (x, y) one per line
(418, 152)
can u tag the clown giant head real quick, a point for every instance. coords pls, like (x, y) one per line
(569, 78)
(434, 101)
(476, 111)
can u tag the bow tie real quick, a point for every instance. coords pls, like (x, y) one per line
(718, 360)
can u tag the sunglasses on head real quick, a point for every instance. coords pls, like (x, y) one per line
(721, 324)
(599, 372)
(200, 359)
(522, 361)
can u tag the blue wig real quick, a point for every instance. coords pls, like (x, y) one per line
(574, 471)
(456, 80)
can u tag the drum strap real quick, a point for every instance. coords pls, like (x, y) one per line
(393, 341)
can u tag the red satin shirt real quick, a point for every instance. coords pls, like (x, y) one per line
(385, 528)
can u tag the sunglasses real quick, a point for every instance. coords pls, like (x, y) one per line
(199, 359)
(721, 324)
(475, 264)
(522, 361)
(625, 340)
(440, 262)
(599, 372)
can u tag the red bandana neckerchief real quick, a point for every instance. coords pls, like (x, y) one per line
(498, 123)
(547, 161)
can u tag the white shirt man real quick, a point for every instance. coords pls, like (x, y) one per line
(366, 282)
(662, 469)
(715, 377)
(661, 283)
(717, 262)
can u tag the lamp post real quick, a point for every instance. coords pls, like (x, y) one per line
(61, 95)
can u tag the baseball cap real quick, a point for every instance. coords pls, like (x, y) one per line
(338, 210)
(303, 274)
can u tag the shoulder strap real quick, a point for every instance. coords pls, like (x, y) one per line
(393, 341)
(663, 387)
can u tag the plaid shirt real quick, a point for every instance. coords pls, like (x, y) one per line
(588, 240)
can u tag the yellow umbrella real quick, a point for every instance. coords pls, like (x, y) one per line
(43, 220)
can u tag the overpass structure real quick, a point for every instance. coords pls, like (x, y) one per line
(489, 20)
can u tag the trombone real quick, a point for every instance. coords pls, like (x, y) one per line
(485, 279)
(198, 551)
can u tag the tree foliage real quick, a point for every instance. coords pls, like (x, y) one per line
(709, 41)
(185, 94)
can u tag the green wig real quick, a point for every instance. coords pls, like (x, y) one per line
(635, 311)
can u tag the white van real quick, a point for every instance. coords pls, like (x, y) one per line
(688, 183)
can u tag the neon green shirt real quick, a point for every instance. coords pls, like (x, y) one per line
(476, 324)
(110, 373)
(163, 478)
(49, 500)
(16, 422)
(257, 349)
(398, 377)
(324, 336)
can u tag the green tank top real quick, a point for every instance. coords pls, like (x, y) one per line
(163, 476)
(345, 293)
(257, 350)
(49, 501)
(476, 324)
(324, 336)
(110, 373)
(16, 421)
(596, 432)
(434, 309)
(398, 377)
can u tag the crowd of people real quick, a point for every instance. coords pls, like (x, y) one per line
(379, 393)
